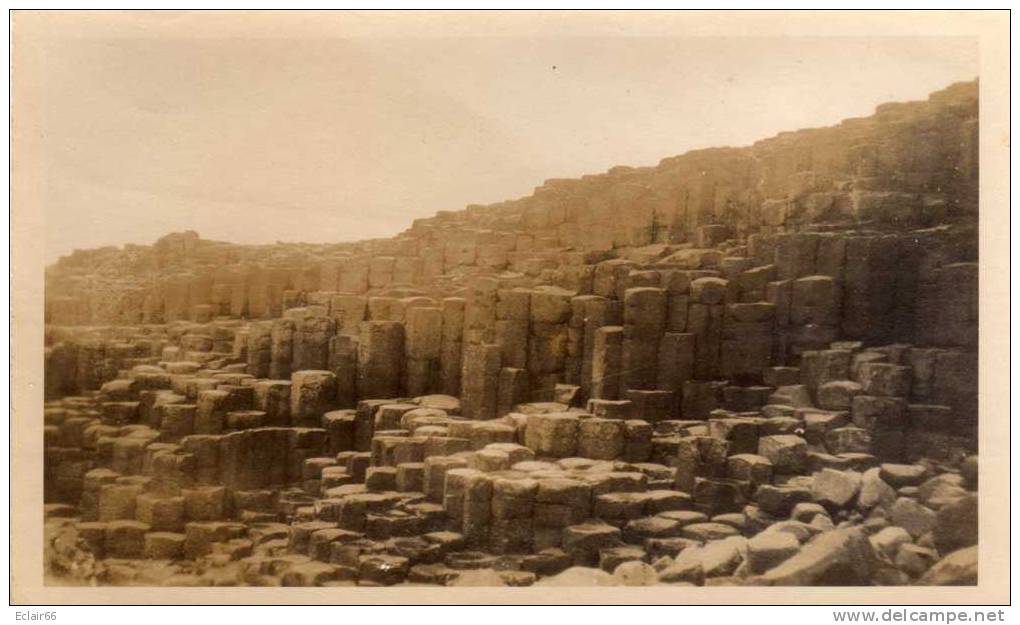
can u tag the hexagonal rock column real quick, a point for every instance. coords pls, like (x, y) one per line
(705, 319)
(818, 367)
(259, 348)
(480, 381)
(349, 311)
(423, 327)
(554, 434)
(380, 359)
(480, 311)
(273, 398)
(451, 345)
(746, 347)
(644, 321)
(814, 312)
(343, 362)
(312, 394)
(547, 340)
(513, 308)
(211, 411)
(676, 361)
(354, 275)
(606, 367)
(281, 348)
(601, 439)
(596, 312)
(513, 389)
(312, 333)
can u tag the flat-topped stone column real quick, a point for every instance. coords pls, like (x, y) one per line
(422, 345)
(480, 381)
(380, 359)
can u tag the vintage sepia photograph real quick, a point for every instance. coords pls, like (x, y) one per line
(683, 302)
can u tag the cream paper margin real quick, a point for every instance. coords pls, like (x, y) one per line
(28, 223)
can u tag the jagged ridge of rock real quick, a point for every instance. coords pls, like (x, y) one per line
(911, 165)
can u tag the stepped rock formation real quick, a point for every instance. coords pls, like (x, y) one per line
(742, 366)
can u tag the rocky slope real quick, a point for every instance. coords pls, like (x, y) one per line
(742, 366)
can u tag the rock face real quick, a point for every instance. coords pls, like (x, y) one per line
(835, 558)
(750, 365)
(956, 569)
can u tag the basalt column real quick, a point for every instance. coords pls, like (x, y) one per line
(512, 328)
(512, 322)
(480, 311)
(597, 312)
(705, 321)
(746, 347)
(607, 358)
(644, 321)
(348, 310)
(281, 348)
(451, 345)
(380, 359)
(424, 327)
(547, 343)
(312, 333)
(343, 363)
(481, 355)
(480, 381)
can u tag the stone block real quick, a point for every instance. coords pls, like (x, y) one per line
(553, 434)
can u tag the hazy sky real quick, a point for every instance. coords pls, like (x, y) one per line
(136, 127)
